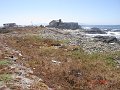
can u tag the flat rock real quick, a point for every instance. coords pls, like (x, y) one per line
(95, 31)
(107, 39)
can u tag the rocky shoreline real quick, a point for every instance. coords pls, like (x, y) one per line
(79, 37)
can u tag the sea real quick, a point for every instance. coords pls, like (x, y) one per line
(111, 30)
(103, 27)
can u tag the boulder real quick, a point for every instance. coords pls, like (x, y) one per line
(95, 31)
(107, 39)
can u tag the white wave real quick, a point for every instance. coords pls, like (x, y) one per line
(93, 35)
(116, 34)
(109, 33)
(86, 27)
(113, 33)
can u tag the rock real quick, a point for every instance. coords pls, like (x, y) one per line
(55, 44)
(75, 72)
(57, 62)
(117, 59)
(95, 31)
(13, 58)
(107, 39)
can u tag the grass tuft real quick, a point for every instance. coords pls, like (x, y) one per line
(5, 77)
(4, 62)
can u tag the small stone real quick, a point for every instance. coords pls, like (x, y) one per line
(118, 66)
(33, 68)
(20, 54)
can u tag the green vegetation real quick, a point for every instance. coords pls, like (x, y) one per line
(110, 61)
(107, 58)
(5, 77)
(4, 62)
(65, 41)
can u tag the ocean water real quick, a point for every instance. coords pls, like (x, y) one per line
(115, 34)
(114, 30)
(103, 27)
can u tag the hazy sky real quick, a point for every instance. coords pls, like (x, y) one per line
(42, 11)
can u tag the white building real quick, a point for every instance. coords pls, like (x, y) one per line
(9, 25)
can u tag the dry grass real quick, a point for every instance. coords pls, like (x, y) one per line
(67, 68)
(39, 86)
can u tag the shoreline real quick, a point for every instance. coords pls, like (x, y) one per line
(79, 37)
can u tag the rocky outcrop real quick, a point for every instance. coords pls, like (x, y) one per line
(107, 39)
(95, 31)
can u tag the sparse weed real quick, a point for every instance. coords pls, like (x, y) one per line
(4, 62)
(65, 41)
(5, 77)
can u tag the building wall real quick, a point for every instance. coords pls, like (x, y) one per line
(9, 25)
(63, 25)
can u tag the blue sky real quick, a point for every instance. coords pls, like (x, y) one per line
(42, 11)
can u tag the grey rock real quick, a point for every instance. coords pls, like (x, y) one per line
(107, 39)
(95, 31)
